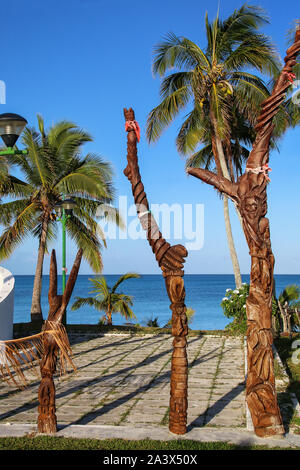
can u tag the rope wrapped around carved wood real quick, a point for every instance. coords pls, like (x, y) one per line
(20, 355)
(169, 258)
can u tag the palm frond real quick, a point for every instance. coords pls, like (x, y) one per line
(123, 278)
(162, 116)
(123, 308)
(192, 132)
(175, 81)
(20, 355)
(90, 302)
(33, 143)
(256, 52)
(87, 241)
(100, 286)
(22, 226)
(203, 158)
(92, 178)
(174, 51)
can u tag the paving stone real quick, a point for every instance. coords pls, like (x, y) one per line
(125, 379)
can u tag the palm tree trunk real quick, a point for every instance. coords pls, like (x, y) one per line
(232, 250)
(283, 317)
(221, 163)
(289, 321)
(225, 172)
(108, 315)
(36, 309)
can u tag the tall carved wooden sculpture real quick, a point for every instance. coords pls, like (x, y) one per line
(250, 194)
(170, 259)
(57, 307)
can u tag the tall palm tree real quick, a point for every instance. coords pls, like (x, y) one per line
(54, 166)
(215, 80)
(107, 299)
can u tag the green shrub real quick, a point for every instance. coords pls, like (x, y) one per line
(190, 312)
(102, 321)
(153, 322)
(234, 306)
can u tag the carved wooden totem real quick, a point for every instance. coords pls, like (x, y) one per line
(170, 259)
(250, 194)
(57, 307)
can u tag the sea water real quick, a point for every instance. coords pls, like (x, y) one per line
(204, 293)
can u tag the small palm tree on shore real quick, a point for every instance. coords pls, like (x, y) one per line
(107, 300)
(288, 303)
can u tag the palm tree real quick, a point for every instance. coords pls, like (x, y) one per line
(217, 82)
(236, 153)
(107, 299)
(54, 167)
(287, 300)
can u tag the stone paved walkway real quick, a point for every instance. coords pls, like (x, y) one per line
(124, 380)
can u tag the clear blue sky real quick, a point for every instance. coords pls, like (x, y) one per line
(84, 60)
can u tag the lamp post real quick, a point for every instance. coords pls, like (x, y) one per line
(11, 127)
(63, 210)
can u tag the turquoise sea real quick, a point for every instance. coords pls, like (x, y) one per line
(203, 293)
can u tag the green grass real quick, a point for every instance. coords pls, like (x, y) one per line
(61, 443)
(287, 355)
(278, 370)
(285, 351)
(26, 329)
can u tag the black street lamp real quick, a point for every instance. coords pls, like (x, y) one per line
(11, 127)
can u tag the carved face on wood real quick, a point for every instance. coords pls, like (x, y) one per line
(252, 203)
(252, 207)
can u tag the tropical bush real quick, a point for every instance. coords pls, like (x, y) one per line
(153, 322)
(234, 306)
(189, 315)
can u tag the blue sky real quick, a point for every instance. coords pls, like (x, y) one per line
(84, 60)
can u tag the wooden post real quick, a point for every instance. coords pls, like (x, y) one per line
(251, 197)
(57, 306)
(170, 259)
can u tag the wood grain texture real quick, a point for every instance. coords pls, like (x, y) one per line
(250, 194)
(47, 422)
(171, 260)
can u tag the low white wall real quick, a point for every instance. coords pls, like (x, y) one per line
(7, 285)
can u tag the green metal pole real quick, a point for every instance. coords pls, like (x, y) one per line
(64, 218)
(63, 222)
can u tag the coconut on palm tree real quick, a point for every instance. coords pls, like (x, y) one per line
(54, 167)
(107, 299)
(215, 81)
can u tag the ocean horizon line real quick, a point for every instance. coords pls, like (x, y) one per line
(159, 274)
(204, 293)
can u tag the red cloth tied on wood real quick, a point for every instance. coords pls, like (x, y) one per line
(264, 169)
(136, 128)
(291, 76)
